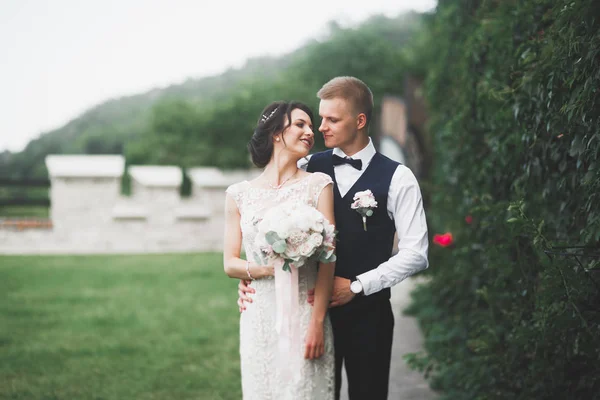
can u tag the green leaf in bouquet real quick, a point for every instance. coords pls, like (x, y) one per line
(317, 255)
(279, 246)
(327, 257)
(322, 256)
(330, 259)
(286, 266)
(272, 237)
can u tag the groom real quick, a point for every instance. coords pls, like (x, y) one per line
(361, 313)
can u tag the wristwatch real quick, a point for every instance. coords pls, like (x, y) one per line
(356, 287)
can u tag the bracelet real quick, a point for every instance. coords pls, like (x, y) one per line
(248, 270)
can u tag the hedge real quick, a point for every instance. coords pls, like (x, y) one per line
(512, 307)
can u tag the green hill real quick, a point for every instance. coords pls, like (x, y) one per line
(207, 121)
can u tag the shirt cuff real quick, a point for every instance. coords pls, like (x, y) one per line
(369, 281)
(372, 281)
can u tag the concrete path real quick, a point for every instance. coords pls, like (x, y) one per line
(405, 384)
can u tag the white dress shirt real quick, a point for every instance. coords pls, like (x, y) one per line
(404, 207)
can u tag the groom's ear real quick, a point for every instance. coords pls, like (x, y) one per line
(361, 121)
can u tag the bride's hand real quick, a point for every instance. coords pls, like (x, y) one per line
(315, 341)
(244, 291)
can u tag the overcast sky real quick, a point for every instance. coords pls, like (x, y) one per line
(61, 57)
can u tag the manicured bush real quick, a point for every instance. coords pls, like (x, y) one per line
(513, 91)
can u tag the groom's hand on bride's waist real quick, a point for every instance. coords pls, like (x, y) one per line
(244, 291)
(341, 293)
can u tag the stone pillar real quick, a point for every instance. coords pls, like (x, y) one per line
(84, 189)
(158, 188)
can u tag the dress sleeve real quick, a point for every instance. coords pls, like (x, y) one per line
(235, 191)
(319, 182)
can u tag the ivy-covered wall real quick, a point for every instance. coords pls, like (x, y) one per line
(513, 93)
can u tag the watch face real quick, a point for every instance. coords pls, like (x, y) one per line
(356, 287)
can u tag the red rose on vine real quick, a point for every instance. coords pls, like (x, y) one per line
(443, 240)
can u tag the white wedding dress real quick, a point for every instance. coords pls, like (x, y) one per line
(261, 379)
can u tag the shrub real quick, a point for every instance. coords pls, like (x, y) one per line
(513, 90)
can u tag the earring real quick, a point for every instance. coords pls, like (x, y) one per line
(277, 139)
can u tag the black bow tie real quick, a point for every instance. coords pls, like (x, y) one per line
(337, 160)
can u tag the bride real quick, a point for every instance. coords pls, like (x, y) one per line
(273, 366)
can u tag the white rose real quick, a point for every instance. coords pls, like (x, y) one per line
(315, 240)
(302, 222)
(317, 226)
(293, 252)
(307, 249)
(284, 228)
(364, 199)
(364, 193)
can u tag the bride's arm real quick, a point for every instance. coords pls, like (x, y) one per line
(315, 344)
(234, 266)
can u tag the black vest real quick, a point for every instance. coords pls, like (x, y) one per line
(357, 250)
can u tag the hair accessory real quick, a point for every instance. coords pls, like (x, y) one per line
(265, 118)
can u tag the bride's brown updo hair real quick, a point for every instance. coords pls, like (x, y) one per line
(272, 121)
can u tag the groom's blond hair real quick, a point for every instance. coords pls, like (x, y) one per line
(351, 89)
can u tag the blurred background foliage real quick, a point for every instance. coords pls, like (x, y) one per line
(513, 91)
(208, 121)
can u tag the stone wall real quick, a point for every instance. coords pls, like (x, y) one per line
(89, 214)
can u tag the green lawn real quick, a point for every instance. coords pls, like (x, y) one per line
(118, 327)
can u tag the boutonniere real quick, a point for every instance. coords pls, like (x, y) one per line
(364, 203)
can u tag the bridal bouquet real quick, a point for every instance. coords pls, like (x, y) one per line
(294, 232)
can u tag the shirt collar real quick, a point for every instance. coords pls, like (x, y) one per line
(365, 155)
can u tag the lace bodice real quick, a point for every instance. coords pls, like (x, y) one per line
(257, 322)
